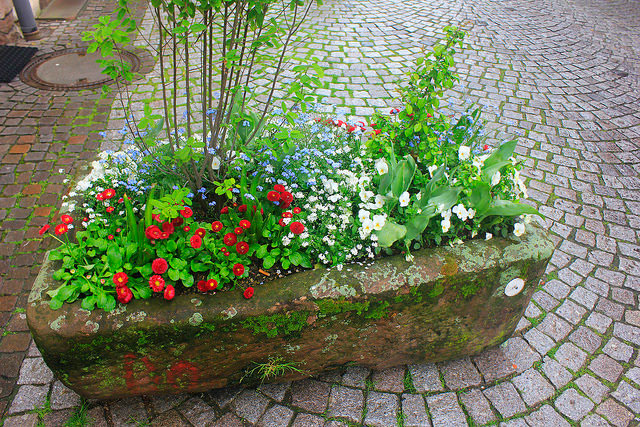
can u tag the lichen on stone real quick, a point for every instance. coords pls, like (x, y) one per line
(195, 319)
(57, 323)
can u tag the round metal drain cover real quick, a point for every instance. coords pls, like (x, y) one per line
(71, 69)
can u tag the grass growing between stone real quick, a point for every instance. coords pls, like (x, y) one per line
(79, 417)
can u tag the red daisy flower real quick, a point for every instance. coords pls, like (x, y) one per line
(202, 286)
(224, 210)
(287, 214)
(273, 196)
(238, 269)
(242, 248)
(110, 209)
(296, 227)
(242, 208)
(159, 266)
(279, 188)
(230, 239)
(187, 213)
(66, 219)
(211, 285)
(44, 229)
(167, 227)
(297, 210)
(177, 222)
(169, 292)
(100, 197)
(120, 279)
(164, 235)
(286, 198)
(196, 241)
(124, 294)
(245, 224)
(156, 283)
(109, 193)
(201, 232)
(110, 237)
(248, 293)
(186, 228)
(238, 230)
(216, 226)
(61, 229)
(153, 232)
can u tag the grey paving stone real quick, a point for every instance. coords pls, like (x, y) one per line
(310, 395)
(63, 397)
(345, 402)
(29, 397)
(632, 317)
(611, 309)
(170, 418)
(571, 312)
(634, 375)
(516, 422)
(554, 326)
(584, 297)
(539, 341)
(355, 376)
(128, 411)
(224, 396)
(391, 380)
(599, 322)
(197, 412)
(26, 420)
(546, 416)
(628, 396)
(618, 350)
(426, 377)
(520, 354)
(276, 391)
(593, 420)
(533, 387)
(414, 412)
(276, 416)
(227, 420)
(605, 367)
(34, 371)
(592, 387)
(165, 402)
(505, 399)
(308, 420)
(96, 417)
(249, 405)
(460, 373)
(627, 333)
(571, 356)
(477, 406)
(494, 364)
(445, 410)
(586, 339)
(615, 413)
(573, 405)
(382, 409)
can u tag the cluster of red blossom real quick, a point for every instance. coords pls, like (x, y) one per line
(59, 229)
(280, 195)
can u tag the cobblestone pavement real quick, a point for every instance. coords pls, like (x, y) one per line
(564, 75)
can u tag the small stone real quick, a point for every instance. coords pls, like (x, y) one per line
(391, 380)
(276, 391)
(96, 417)
(605, 367)
(224, 396)
(345, 402)
(615, 413)
(310, 395)
(197, 412)
(26, 420)
(520, 353)
(165, 402)
(554, 327)
(227, 420)
(63, 397)
(539, 341)
(627, 333)
(573, 405)
(634, 375)
(130, 410)
(28, 397)
(517, 422)
(308, 420)
(556, 373)
(592, 387)
(460, 374)
(571, 356)
(477, 406)
(586, 339)
(382, 409)
(355, 376)
(276, 416)
(250, 405)
(445, 410)
(34, 371)
(546, 416)
(414, 412)
(571, 312)
(618, 350)
(533, 387)
(494, 364)
(599, 322)
(505, 399)
(56, 418)
(628, 395)
(425, 377)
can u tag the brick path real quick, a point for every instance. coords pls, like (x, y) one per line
(562, 74)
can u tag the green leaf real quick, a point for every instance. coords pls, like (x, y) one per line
(174, 274)
(172, 245)
(509, 208)
(480, 198)
(114, 258)
(418, 223)
(403, 175)
(268, 262)
(262, 251)
(285, 263)
(55, 304)
(296, 258)
(390, 233)
(89, 303)
(503, 153)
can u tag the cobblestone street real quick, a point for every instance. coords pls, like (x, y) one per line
(563, 76)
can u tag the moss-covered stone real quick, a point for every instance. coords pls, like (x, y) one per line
(448, 303)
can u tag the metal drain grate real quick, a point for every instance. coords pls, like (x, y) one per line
(12, 60)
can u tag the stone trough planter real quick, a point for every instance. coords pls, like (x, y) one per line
(449, 303)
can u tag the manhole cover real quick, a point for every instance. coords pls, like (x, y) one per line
(71, 69)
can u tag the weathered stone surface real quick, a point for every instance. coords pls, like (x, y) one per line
(196, 343)
(347, 403)
(414, 412)
(382, 409)
(445, 410)
(478, 407)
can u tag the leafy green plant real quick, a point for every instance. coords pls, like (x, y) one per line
(275, 367)
(79, 417)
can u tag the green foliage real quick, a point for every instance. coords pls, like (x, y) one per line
(79, 417)
(277, 324)
(275, 367)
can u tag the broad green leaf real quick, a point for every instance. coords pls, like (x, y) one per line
(403, 175)
(268, 262)
(480, 198)
(114, 258)
(501, 154)
(509, 208)
(262, 251)
(89, 303)
(55, 304)
(296, 258)
(390, 233)
(173, 274)
(418, 223)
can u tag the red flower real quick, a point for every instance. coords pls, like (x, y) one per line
(159, 266)
(297, 210)
(242, 208)
(164, 235)
(245, 224)
(350, 128)
(211, 285)
(238, 230)
(156, 283)
(110, 237)
(186, 228)
(273, 196)
(224, 210)
(61, 229)
(238, 269)
(377, 131)
(279, 188)
(153, 232)
(169, 292)
(177, 222)
(187, 213)
(109, 193)
(242, 248)
(226, 253)
(110, 209)
(124, 294)
(196, 241)
(44, 229)
(167, 227)
(100, 197)
(286, 197)
(248, 293)
(66, 219)
(216, 226)
(202, 286)
(296, 227)
(120, 200)
(287, 214)
(156, 217)
(281, 222)
(230, 239)
(485, 147)
(120, 279)
(118, 230)
(201, 232)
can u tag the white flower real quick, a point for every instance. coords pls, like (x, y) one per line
(478, 161)
(379, 201)
(367, 226)
(366, 195)
(464, 152)
(460, 211)
(378, 222)
(495, 179)
(471, 212)
(364, 215)
(445, 223)
(381, 166)
(419, 196)
(488, 236)
(215, 163)
(331, 186)
(404, 199)
(432, 169)
(518, 229)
